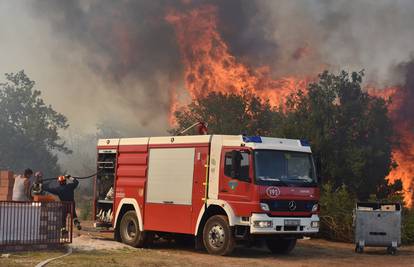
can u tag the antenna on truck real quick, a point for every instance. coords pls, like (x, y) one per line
(202, 128)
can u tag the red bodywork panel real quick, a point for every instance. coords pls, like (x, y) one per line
(168, 218)
(246, 208)
(241, 195)
(130, 182)
(292, 193)
(131, 174)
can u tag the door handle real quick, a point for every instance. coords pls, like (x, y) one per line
(168, 202)
(224, 190)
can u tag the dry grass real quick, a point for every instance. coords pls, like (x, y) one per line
(307, 253)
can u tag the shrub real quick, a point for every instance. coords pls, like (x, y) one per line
(337, 213)
(407, 235)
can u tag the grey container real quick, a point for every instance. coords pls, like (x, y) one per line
(377, 225)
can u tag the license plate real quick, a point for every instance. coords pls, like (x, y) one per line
(292, 222)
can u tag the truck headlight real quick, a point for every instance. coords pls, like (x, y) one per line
(315, 208)
(264, 207)
(262, 224)
(315, 224)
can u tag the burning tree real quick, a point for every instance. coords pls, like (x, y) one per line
(349, 129)
(401, 110)
(229, 113)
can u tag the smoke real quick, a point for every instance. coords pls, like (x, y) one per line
(405, 110)
(403, 113)
(370, 35)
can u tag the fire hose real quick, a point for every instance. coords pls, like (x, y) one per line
(75, 177)
(36, 188)
(43, 263)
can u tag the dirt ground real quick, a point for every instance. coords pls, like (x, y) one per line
(92, 249)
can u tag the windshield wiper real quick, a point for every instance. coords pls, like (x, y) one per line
(275, 181)
(305, 183)
(302, 180)
(283, 183)
(269, 179)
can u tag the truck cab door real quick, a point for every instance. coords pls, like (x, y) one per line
(236, 175)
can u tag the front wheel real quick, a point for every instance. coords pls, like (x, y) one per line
(392, 250)
(129, 230)
(359, 249)
(281, 246)
(217, 236)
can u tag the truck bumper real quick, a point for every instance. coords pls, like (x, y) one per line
(261, 223)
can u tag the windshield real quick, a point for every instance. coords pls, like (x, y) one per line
(287, 168)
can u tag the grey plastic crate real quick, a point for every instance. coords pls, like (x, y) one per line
(377, 225)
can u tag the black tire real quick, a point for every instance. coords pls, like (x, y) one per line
(129, 231)
(218, 238)
(359, 249)
(392, 250)
(281, 246)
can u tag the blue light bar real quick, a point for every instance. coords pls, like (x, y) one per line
(252, 139)
(304, 142)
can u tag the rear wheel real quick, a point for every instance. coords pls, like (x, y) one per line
(129, 231)
(217, 236)
(281, 246)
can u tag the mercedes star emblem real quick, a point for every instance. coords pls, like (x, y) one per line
(292, 205)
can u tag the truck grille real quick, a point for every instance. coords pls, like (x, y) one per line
(290, 205)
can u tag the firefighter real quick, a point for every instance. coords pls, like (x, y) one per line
(65, 192)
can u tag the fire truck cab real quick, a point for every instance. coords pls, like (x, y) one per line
(220, 189)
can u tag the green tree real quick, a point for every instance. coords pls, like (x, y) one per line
(350, 131)
(29, 129)
(229, 114)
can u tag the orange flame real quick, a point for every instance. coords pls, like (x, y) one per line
(173, 105)
(210, 67)
(403, 155)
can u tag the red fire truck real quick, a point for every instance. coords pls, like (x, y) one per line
(219, 189)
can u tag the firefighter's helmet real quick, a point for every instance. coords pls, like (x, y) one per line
(62, 179)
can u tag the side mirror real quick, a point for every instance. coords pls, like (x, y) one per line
(319, 180)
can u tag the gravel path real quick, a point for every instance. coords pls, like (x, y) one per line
(89, 242)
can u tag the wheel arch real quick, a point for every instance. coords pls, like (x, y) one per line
(217, 207)
(127, 204)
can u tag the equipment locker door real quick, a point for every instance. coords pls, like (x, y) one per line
(170, 180)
